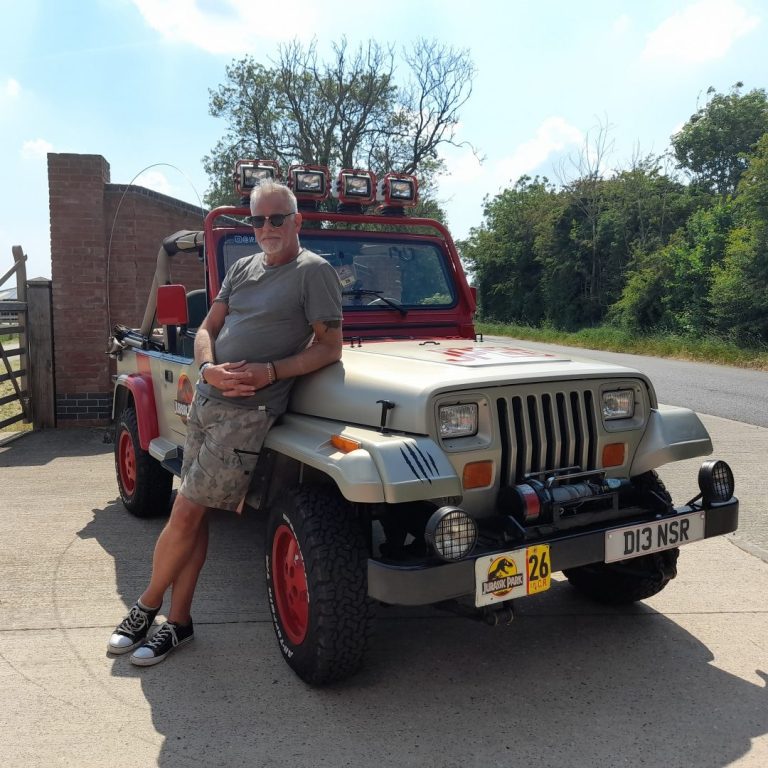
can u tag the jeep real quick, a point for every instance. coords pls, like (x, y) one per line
(429, 465)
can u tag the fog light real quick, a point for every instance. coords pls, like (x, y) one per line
(716, 481)
(452, 533)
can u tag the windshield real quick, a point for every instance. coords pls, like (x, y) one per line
(375, 272)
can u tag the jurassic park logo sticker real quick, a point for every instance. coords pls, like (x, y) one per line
(185, 391)
(512, 574)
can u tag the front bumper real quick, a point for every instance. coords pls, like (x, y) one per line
(425, 584)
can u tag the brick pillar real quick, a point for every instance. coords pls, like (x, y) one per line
(78, 266)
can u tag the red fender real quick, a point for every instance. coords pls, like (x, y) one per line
(140, 386)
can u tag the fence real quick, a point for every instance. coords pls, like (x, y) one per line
(29, 317)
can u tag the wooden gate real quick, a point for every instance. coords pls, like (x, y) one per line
(27, 318)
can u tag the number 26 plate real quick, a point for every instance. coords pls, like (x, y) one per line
(512, 574)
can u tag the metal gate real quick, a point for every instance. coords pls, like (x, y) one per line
(27, 317)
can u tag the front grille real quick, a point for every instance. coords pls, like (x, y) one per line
(548, 430)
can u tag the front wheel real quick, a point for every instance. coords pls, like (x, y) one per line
(145, 487)
(316, 565)
(630, 580)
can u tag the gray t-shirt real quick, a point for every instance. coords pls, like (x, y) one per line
(271, 311)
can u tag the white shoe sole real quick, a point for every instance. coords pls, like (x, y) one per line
(152, 660)
(119, 651)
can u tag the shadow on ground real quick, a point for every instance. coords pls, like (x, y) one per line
(39, 448)
(567, 684)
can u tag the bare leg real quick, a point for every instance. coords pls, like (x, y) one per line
(185, 582)
(176, 546)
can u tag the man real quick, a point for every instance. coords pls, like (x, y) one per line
(277, 316)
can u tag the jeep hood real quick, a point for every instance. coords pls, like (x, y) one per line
(411, 373)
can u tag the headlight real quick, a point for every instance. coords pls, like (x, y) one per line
(458, 420)
(451, 532)
(619, 404)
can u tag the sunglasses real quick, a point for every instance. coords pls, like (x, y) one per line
(275, 220)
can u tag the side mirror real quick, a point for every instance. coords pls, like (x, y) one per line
(172, 305)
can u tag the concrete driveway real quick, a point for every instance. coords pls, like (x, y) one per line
(679, 680)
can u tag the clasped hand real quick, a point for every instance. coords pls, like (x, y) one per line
(239, 379)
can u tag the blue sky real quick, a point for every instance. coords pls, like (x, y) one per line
(129, 79)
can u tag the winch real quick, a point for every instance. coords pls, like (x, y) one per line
(545, 498)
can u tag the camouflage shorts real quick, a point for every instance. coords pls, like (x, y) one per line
(221, 451)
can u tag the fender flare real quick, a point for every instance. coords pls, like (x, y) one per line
(143, 392)
(391, 468)
(672, 434)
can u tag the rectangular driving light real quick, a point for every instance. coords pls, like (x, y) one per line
(397, 190)
(309, 182)
(250, 173)
(356, 187)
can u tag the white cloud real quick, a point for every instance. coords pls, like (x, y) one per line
(553, 135)
(11, 88)
(703, 31)
(36, 149)
(463, 168)
(622, 25)
(466, 183)
(156, 181)
(230, 27)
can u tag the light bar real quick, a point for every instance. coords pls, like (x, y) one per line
(398, 189)
(309, 182)
(355, 187)
(250, 173)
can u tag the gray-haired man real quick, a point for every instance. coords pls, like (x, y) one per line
(277, 316)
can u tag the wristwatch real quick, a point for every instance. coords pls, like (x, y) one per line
(203, 366)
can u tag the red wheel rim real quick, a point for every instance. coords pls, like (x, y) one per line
(289, 581)
(126, 462)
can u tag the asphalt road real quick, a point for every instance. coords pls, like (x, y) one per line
(679, 680)
(720, 390)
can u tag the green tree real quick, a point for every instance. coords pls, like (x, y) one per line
(505, 253)
(348, 112)
(668, 288)
(739, 291)
(715, 144)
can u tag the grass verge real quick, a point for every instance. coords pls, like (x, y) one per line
(8, 410)
(708, 349)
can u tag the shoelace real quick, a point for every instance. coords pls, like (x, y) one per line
(135, 620)
(161, 636)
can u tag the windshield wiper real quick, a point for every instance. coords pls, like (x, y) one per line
(358, 292)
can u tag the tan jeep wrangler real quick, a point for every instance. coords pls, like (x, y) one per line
(428, 465)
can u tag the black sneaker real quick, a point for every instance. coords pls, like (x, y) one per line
(132, 629)
(168, 637)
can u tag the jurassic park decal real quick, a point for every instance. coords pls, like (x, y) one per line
(185, 391)
(512, 574)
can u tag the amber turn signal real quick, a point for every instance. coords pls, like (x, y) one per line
(613, 455)
(345, 444)
(477, 474)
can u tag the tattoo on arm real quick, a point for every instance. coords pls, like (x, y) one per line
(331, 324)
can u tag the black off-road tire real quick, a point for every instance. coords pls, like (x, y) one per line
(630, 580)
(145, 487)
(314, 544)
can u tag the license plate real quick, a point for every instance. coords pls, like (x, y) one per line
(512, 574)
(644, 539)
